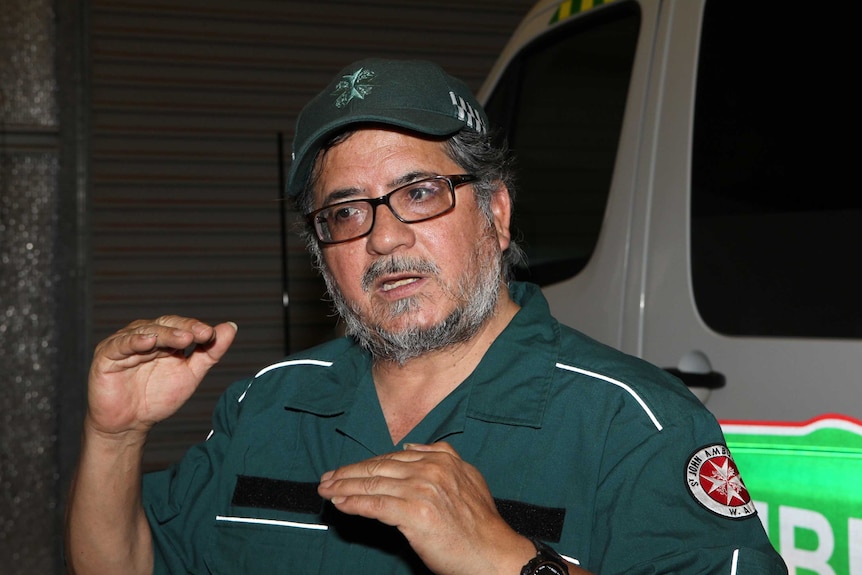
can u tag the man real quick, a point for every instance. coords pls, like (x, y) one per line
(457, 429)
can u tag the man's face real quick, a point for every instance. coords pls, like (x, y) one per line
(409, 288)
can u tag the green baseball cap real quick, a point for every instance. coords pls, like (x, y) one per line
(410, 94)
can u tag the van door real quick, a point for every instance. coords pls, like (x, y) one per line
(569, 93)
(751, 276)
(755, 216)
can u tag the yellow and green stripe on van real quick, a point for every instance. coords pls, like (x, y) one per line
(572, 7)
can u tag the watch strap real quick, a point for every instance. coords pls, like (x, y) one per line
(546, 562)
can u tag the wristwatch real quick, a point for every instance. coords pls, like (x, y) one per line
(546, 562)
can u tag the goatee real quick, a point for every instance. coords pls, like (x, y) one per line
(475, 296)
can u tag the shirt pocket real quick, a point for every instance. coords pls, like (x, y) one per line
(268, 542)
(269, 526)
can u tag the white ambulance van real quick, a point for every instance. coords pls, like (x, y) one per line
(688, 193)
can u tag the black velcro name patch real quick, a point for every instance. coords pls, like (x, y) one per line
(545, 523)
(279, 494)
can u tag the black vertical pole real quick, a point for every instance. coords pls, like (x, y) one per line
(282, 196)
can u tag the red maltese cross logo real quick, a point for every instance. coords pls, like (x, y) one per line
(714, 481)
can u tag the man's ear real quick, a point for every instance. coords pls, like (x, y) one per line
(501, 209)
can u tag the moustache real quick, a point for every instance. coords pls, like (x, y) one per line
(394, 265)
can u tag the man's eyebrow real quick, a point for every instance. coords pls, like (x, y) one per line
(342, 194)
(410, 177)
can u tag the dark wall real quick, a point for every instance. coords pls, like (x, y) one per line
(139, 175)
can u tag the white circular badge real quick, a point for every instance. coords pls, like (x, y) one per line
(714, 481)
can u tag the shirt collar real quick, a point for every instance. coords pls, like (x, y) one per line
(328, 390)
(511, 385)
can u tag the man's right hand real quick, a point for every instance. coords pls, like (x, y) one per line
(146, 371)
(140, 375)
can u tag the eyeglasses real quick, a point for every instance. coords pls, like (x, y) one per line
(412, 203)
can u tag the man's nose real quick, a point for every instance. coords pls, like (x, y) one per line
(389, 233)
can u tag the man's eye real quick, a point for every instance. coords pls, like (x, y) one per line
(346, 213)
(422, 193)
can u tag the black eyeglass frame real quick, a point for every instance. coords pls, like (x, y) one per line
(454, 182)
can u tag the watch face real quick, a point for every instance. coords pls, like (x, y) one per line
(549, 569)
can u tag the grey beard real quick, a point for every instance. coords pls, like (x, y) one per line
(477, 297)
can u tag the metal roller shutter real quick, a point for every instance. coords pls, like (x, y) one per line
(187, 99)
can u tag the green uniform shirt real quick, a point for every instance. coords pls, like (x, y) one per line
(582, 446)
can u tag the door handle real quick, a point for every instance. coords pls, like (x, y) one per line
(711, 380)
(695, 371)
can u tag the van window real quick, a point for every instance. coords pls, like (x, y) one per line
(776, 211)
(569, 89)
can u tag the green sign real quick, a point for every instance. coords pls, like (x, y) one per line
(806, 481)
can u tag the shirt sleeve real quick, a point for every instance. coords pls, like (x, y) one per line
(648, 515)
(179, 501)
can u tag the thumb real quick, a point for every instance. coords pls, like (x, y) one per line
(205, 356)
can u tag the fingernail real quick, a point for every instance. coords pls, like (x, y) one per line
(233, 325)
(326, 476)
(409, 446)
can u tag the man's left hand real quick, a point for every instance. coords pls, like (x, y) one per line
(438, 501)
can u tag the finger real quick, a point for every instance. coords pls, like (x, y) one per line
(370, 485)
(223, 337)
(201, 332)
(387, 509)
(171, 333)
(174, 326)
(385, 499)
(206, 356)
(389, 464)
(440, 446)
(392, 476)
(175, 321)
(394, 479)
(150, 340)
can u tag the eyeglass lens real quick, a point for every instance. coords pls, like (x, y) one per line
(412, 203)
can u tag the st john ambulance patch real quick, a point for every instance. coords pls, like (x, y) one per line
(714, 481)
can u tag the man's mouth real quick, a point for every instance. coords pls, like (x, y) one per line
(391, 285)
(389, 274)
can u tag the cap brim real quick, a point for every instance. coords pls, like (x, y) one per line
(422, 122)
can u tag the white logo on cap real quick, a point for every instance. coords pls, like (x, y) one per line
(467, 114)
(353, 86)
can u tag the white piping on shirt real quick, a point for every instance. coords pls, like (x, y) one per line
(284, 364)
(734, 562)
(276, 366)
(294, 362)
(571, 560)
(618, 383)
(276, 522)
(311, 526)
